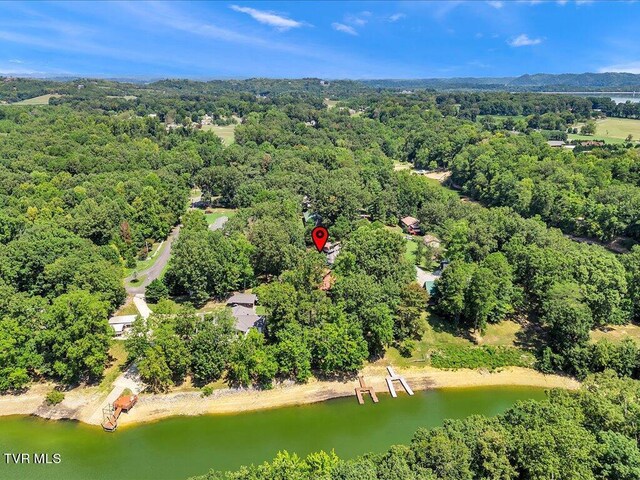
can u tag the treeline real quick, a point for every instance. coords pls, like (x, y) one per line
(594, 194)
(588, 435)
(82, 196)
(610, 108)
(471, 104)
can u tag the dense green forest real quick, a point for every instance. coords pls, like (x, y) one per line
(588, 435)
(90, 181)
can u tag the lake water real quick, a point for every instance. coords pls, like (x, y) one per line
(176, 448)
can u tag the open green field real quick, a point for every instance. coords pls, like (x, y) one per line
(41, 100)
(219, 212)
(225, 132)
(611, 130)
(619, 128)
(330, 103)
(617, 333)
(597, 136)
(445, 346)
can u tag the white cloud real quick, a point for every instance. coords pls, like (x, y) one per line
(396, 16)
(341, 27)
(269, 18)
(523, 40)
(496, 4)
(15, 60)
(630, 67)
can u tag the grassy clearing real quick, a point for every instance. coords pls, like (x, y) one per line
(330, 103)
(129, 308)
(41, 100)
(225, 132)
(211, 306)
(597, 136)
(619, 128)
(118, 356)
(501, 334)
(397, 166)
(616, 333)
(216, 213)
(514, 117)
(611, 130)
(444, 346)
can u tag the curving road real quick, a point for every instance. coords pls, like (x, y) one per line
(154, 270)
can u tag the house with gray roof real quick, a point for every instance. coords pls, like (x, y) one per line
(243, 309)
(244, 299)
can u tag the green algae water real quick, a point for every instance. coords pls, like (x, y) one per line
(179, 447)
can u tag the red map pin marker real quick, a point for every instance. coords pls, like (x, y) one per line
(320, 235)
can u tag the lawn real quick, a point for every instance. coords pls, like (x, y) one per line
(216, 213)
(118, 358)
(444, 346)
(225, 132)
(330, 103)
(612, 130)
(397, 166)
(41, 100)
(129, 308)
(617, 333)
(597, 136)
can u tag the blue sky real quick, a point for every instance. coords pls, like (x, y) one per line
(318, 39)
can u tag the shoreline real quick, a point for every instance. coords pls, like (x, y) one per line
(80, 404)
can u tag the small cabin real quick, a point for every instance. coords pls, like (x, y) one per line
(410, 225)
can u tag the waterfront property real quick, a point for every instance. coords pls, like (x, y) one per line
(243, 309)
(227, 441)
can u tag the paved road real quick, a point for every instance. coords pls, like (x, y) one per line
(155, 270)
(218, 223)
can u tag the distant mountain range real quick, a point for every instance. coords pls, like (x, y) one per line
(539, 82)
(588, 82)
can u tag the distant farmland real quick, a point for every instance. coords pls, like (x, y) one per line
(41, 100)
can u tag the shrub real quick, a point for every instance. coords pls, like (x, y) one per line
(54, 397)
(207, 390)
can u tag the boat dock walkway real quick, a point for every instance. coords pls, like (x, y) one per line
(364, 388)
(393, 376)
(111, 413)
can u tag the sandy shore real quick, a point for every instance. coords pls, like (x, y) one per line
(81, 404)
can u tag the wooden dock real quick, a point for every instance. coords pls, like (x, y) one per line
(111, 413)
(364, 388)
(393, 376)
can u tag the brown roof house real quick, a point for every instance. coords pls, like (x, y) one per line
(410, 225)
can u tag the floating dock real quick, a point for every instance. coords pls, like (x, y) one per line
(111, 413)
(364, 388)
(393, 376)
